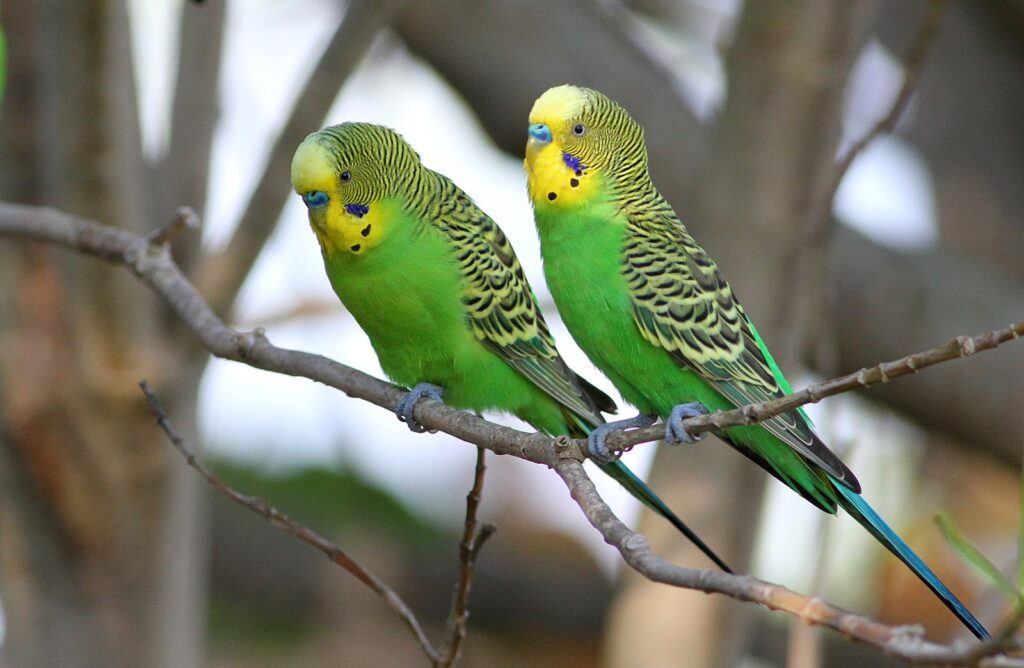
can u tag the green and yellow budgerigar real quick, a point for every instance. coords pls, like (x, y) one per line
(653, 312)
(436, 286)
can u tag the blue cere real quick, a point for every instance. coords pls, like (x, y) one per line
(315, 198)
(540, 132)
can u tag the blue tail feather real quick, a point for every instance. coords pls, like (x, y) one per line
(870, 520)
(639, 489)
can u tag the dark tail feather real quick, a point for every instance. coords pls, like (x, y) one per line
(646, 495)
(855, 504)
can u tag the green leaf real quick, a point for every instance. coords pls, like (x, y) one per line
(976, 559)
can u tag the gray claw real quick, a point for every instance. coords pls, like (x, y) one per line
(675, 432)
(408, 402)
(596, 448)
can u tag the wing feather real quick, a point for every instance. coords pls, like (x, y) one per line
(682, 304)
(502, 310)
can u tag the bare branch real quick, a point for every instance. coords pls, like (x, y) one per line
(961, 346)
(184, 219)
(221, 274)
(281, 521)
(155, 267)
(904, 642)
(472, 542)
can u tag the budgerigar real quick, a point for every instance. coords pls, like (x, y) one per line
(436, 286)
(653, 312)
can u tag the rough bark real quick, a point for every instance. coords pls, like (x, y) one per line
(97, 519)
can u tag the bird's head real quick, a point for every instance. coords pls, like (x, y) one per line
(577, 140)
(345, 175)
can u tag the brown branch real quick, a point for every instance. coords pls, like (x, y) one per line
(220, 274)
(904, 642)
(961, 346)
(184, 219)
(281, 521)
(472, 542)
(154, 266)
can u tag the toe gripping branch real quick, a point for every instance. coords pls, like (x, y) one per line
(675, 432)
(596, 447)
(408, 403)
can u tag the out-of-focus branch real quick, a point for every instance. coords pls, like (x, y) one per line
(182, 175)
(281, 521)
(912, 68)
(220, 275)
(517, 47)
(153, 264)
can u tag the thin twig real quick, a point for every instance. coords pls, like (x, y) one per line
(469, 548)
(286, 524)
(185, 218)
(155, 267)
(961, 346)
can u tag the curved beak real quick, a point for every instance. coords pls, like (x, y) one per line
(539, 138)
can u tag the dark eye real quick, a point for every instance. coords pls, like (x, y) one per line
(314, 199)
(346, 177)
(579, 129)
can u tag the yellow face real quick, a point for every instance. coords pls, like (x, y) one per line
(556, 177)
(340, 225)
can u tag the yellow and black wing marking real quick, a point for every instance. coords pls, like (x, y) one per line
(682, 303)
(502, 309)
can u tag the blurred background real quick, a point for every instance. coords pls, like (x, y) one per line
(112, 552)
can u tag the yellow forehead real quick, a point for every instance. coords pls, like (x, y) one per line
(312, 167)
(558, 104)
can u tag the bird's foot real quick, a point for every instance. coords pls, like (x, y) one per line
(675, 432)
(408, 402)
(598, 451)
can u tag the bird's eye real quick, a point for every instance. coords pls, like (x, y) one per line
(314, 198)
(346, 177)
(579, 129)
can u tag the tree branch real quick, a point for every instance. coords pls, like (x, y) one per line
(904, 642)
(961, 346)
(154, 266)
(472, 542)
(281, 521)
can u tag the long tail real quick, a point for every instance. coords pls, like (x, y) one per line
(646, 496)
(855, 504)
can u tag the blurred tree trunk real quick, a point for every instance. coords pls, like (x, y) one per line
(100, 555)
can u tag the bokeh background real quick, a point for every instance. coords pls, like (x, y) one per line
(113, 553)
